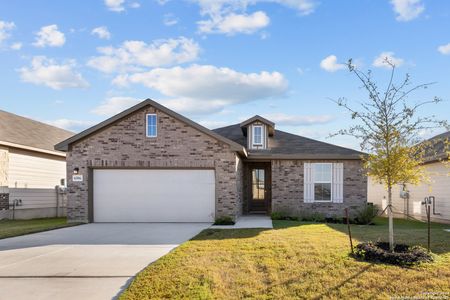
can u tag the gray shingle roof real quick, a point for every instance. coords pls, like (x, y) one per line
(437, 147)
(26, 132)
(287, 145)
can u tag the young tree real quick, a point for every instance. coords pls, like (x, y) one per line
(389, 127)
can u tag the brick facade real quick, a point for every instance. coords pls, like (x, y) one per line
(287, 189)
(124, 145)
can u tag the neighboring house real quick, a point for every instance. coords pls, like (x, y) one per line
(30, 168)
(438, 168)
(150, 164)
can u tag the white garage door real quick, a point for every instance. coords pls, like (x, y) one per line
(154, 195)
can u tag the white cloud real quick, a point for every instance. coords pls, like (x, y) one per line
(305, 7)
(115, 105)
(407, 10)
(231, 17)
(101, 32)
(381, 60)
(209, 7)
(44, 71)
(206, 88)
(444, 49)
(115, 5)
(170, 20)
(16, 46)
(298, 120)
(132, 55)
(135, 5)
(49, 36)
(72, 125)
(330, 64)
(5, 30)
(235, 23)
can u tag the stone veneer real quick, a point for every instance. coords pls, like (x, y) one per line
(124, 145)
(287, 189)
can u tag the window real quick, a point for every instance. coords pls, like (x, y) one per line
(257, 135)
(151, 125)
(322, 182)
(258, 186)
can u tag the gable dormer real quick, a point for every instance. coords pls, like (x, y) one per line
(258, 130)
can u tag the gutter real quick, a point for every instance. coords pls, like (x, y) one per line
(14, 145)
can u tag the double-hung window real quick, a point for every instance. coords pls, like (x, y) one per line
(322, 181)
(152, 127)
(257, 135)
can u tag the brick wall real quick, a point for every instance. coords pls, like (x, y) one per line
(124, 144)
(287, 189)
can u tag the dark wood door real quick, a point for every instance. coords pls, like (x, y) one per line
(259, 188)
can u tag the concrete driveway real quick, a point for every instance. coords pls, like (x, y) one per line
(92, 261)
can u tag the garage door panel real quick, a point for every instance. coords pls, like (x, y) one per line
(154, 195)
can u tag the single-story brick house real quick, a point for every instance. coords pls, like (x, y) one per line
(150, 164)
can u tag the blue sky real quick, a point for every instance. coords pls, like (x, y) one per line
(75, 63)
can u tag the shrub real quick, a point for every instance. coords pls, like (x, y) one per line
(334, 220)
(313, 217)
(403, 255)
(366, 215)
(225, 220)
(277, 215)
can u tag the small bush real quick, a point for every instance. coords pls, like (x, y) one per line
(334, 220)
(366, 215)
(403, 255)
(313, 217)
(226, 220)
(277, 215)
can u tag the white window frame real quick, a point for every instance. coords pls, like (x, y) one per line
(330, 182)
(146, 125)
(253, 135)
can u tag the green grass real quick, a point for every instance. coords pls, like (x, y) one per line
(293, 261)
(10, 228)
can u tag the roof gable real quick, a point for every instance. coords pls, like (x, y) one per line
(64, 145)
(257, 118)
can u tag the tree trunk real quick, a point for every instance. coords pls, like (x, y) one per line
(391, 221)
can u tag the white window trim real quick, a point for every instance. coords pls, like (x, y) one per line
(330, 182)
(253, 135)
(146, 125)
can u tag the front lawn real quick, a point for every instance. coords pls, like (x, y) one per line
(10, 228)
(294, 260)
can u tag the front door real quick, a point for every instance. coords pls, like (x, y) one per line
(259, 188)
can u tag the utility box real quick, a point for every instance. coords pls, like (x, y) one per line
(4, 201)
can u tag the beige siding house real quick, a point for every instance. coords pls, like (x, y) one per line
(30, 169)
(438, 169)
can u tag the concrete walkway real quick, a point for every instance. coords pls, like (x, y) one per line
(93, 261)
(248, 221)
